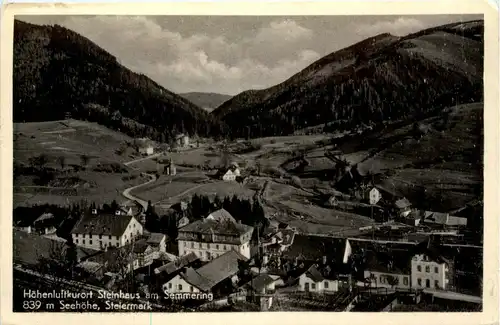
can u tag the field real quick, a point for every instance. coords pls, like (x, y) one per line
(101, 179)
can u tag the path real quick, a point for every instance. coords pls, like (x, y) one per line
(158, 154)
(129, 196)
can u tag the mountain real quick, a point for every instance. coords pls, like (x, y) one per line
(207, 101)
(376, 81)
(57, 71)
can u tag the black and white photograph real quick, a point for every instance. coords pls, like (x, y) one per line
(181, 163)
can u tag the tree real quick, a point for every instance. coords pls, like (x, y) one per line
(392, 280)
(296, 181)
(39, 161)
(217, 202)
(61, 160)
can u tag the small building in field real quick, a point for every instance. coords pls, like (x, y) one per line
(144, 146)
(182, 140)
(170, 168)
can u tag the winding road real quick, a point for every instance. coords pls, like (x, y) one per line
(152, 178)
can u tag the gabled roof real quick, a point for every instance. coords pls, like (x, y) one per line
(155, 238)
(211, 274)
(402, 203)
(102, 224)
(287, 235)
(140, 246)
(44, 216)
(219, 228)
(177, 264)
(259, 282)
(221, 215)
(313, 274)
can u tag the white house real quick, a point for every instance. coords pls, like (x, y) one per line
(99, 231)
(182, 140)
(430, 272)
(157, 241)
(373, 196)
(209, 239)
(311, 280)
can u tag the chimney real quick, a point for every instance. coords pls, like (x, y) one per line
(94, 211)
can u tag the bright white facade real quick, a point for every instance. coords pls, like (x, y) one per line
(102, 231)
(309, 285)
(179, 285)
(374, 196)
(427, 273)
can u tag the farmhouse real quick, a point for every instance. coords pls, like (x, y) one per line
(229, 173)
(204, 279)
(209, 239)
(182, 140)
(144, 146)
(311, 280)
(100, 230)
(443, 219)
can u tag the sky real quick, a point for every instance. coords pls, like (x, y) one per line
(230, 54)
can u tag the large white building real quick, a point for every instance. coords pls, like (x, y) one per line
(210, 238)
(429, 272)
(102, 230)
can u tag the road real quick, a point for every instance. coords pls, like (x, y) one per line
(143, 158)
(129, 196)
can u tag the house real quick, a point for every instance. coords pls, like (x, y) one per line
(204, 279)
(182, 221)
(372, 195)
(143, 254)
(261, 284)
(412, 219)
(145, 147)
(430, 269)
(92, 269)
(170, 168)
(157, 241)
(443, 219)
(181, 262)
(209, 239)
(390, 271)
(221, 215)
(101, 230)
(311, 280)
(45, 224)
(229, 173)
(402, 207)
(332, 201)
(182, 140)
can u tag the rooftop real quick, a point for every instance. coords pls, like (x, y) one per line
(259, 282)
(102, 224)
(221, 215)
(219, 269)
(177, 264)
(155, 238)
(215, 227)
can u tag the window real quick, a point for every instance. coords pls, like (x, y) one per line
(180, 287)
(170, 285)
(133, 225)
(217, 246)
(326, 284)
(428, 283)
(83, 241)
(405, 281)
(192, 288)
(76, 240)
(225, 247)
(381, 279)
(109, 237)
(313, 286)
(419, 268)
(195, 245)
(436, 284)
(100, 236)
(436, 270)
(419, 281)
(192, 245)
(427, 269)
(90, 242)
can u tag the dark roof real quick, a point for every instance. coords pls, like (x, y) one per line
(140, 246)
(395, 262)
(282, 225)
(155, 238)
(402, 203)
(179, 263)
(29, 248)
(102, 224)
(211, 274)
(312, 248)
(287, 235)
(259, 282)
(215, 227)
(431, 250)
(313, 274)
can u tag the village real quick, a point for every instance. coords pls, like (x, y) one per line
(225, 252)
